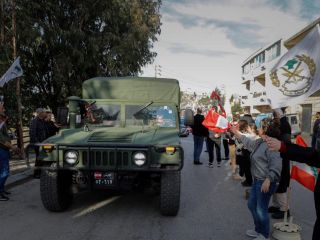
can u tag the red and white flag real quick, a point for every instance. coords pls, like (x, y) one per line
(303, 173)
(216, 122)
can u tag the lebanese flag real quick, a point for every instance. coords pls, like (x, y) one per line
(216, 122)
(303, 173)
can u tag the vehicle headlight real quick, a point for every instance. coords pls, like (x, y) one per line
(139, 158)
(71, 157)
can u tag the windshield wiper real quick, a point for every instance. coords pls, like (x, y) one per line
(136, 114)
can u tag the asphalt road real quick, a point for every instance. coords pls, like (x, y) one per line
(212, 207)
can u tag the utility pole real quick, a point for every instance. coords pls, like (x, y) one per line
(157, 70)
(18, 89)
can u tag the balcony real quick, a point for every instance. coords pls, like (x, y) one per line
(247, 78)
(259, 99)
(246, 101)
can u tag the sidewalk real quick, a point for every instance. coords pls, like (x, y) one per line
(20, 171)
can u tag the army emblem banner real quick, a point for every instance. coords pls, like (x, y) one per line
(13, 72)
(296, 75)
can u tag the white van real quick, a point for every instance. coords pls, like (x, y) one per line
(294, 121)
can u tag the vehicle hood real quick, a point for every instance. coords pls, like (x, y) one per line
(152, 136)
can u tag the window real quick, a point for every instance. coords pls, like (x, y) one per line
(161, 116)
(274, 51)
(294, 120)
(260, 59)
(102, 115)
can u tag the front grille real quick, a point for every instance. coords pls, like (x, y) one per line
(106, 158)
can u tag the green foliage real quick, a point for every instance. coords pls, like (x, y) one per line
(236, 108)
(64, 42)
(231, 99)
(205, 101)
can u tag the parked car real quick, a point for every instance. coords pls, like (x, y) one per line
(184, 131)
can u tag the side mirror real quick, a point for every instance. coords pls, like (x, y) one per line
(62, 115)
(188, 117)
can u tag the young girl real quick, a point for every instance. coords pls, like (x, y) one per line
(252, 133)
(266, 168)
(243, 127)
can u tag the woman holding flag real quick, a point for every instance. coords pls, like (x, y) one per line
(265, 168)
(306, 155)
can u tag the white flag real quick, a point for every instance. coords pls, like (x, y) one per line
(296, 75)
(13, 72)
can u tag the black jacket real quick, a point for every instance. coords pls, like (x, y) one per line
(285, 130)
(198, 129)
(51, 129)
(38, 130)
(316, 126)
(311, 157)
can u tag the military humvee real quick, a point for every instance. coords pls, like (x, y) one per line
(123, 132)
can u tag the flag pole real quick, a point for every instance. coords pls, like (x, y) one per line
(18, 87)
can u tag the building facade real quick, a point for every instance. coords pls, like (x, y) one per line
(254, 70)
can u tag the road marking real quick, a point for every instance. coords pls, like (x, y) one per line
(96, 207)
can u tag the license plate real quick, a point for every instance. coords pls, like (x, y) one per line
(104, 178)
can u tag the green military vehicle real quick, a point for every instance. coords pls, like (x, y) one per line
(123, 132)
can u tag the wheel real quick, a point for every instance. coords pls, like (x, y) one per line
(55, 190)
(170, 193)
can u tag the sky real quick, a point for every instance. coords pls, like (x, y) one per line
(203, 43)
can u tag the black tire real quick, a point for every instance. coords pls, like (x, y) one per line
(55, 190)
(170, 193)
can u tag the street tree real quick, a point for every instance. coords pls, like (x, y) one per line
(236, 107)
(62, 43)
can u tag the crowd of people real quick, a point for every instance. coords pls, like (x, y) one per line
(262, 151)
(41, 128)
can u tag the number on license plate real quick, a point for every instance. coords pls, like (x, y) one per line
(103, 178)
(104, 182)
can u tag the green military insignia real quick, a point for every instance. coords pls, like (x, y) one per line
(295, 77)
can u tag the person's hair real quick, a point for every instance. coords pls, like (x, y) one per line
(317, 113)
(271, 128)
(243, 125)
(254, 128)
(199, 110)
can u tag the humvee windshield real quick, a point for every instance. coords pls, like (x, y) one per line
(102, 115)
(162, 116)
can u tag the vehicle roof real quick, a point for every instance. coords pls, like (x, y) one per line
(143, 89)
